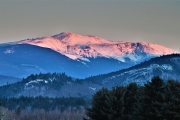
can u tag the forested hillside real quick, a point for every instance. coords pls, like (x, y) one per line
(155, 100)
(50, 85)
(167, 67)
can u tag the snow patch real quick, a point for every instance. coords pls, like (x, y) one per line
(85, 59)
(8, 51)
(52, 79)
(68, 82)
(164, 66)
(94, 89)
(167, 67)
(36, 81)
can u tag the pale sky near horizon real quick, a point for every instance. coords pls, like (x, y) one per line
(152, 21)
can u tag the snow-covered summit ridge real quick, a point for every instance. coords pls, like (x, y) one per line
(77, 46)
(75, 39)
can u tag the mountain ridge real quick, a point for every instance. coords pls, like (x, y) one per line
(22, 60)
(58, 85)
(167, 67)
(79, 56)
(77, 47)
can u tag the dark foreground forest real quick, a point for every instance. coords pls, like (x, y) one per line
(42, 108)
(156, 100)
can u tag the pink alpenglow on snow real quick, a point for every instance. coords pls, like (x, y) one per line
(82, 47)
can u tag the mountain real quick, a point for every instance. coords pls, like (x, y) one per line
(52, 85)
(82, 47)
(166, 67)
(58, 85)
(21, 60)
(77, 55)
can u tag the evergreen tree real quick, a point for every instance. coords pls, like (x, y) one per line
(117, 104)
(153, 102)
(114, 108)
(132, 99)
(156, 100)
(172, 93)
(98, 103)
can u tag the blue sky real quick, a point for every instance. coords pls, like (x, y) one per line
(153, 21)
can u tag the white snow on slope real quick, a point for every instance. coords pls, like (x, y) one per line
(92, 88)
(140, 75)
(36, 81)
(77, 46)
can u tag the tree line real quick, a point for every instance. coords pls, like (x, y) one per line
(156, 100)
(42, 108)
(40, 102)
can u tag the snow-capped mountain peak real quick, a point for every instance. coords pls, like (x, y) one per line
(75, 39)
(83, 47)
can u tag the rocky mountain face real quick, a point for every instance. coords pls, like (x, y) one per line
(58, 85)
(77, 55)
